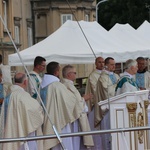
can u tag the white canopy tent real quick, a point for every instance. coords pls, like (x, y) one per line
(135, 43)
(144, 30)
(68, 45)
(129, 36)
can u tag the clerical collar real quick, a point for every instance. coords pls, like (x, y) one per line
(142, 71)
(33, 72)
(48, 79)
(16, 87)
(67, 80)
(127, 74)
(99, 70)
(108, 72)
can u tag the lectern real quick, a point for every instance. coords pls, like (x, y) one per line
(128, 110)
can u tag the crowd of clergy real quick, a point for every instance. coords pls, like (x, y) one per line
(32, 105)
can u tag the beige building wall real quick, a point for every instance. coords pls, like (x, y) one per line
(45, 20)
(48, 15)
(22, 13)
(6, 13)
(18, 18)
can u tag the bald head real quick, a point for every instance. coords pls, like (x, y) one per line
(99, 62)
(20, 79)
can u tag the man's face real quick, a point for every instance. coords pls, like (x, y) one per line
(57, 72)
(42, 66)
(141, 65)
(111, 65)
(72, 74)
(99, 63)
(134, 69)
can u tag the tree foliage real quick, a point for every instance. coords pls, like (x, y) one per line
(134, 12)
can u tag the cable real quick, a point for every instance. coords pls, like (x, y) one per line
(81, 29)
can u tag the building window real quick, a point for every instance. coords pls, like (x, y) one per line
(30, 38)
(17, 34)
(87, 18)
(5, 12)
(65, 17)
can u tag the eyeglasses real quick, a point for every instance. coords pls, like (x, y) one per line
(43, 66)
(73, 72)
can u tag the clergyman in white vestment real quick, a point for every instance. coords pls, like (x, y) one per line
(91, 88)
(142, 77)
(22, 116)
(39, 67)
(105, 89)
(61, 106)
(82, 124)
(126, 82)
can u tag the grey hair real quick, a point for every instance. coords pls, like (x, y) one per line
(66, 69)
(129, 63)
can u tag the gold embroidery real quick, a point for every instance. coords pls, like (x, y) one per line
(140, 123)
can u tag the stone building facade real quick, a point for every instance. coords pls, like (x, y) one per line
(49, 15)
(16, 18)
(30, 21)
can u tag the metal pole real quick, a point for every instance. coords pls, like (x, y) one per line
(118, 130)
(97, 5)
